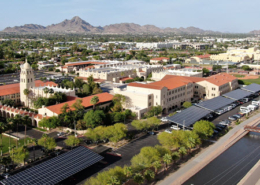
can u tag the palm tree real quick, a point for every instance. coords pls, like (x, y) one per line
(167, 159)
(26, 92)
(113, 181)
(3, 127)
(51, 91)
(175, 156)
(122, 73)
(157, 165)
(149, 175)
(182, 151)
(128, 171)
(35, 143)
(10, 127)
(26, 121)
(46, 90)
(94, 101)
(138, 178)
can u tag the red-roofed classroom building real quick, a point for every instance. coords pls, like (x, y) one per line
(172, 91)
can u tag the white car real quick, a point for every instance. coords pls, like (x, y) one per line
(60, 134)
(174, 127)
(164, 119)
(168, 131)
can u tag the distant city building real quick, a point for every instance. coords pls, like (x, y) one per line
(159, 60)
(237, 55)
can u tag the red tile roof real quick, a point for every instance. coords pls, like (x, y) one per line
(103, 97)
(15, 88)
(169, 81)
(161, 58)
(125, 78)
(220, 79)
(148, 86)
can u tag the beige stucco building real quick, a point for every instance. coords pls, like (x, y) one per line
(237, 55)
(172, 91)
(118, 71)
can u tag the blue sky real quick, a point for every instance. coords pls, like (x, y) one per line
(217, 15)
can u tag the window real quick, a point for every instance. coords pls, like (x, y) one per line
(212, 94)
(28, 80)
(213, 88)
(150, 97)
(150, 104)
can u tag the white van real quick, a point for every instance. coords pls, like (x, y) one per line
(255, 103)
(252, 107)
(244, 109)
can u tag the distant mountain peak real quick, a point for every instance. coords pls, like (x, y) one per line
(78, 25)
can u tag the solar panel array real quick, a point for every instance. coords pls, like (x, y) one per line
(252, 88)
(215, 103)
(189, 116)
(55, 169)
(237, 94)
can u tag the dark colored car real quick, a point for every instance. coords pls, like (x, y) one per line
(232, 118)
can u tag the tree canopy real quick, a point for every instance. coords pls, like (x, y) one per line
(204, 128)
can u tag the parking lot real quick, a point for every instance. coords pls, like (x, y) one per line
(15, 77)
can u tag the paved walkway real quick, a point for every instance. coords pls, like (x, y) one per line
(199, 162)
(252, 177)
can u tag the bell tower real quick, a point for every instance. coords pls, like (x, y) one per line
(26, 82)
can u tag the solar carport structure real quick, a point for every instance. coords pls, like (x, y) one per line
(188, 116)
(215, 103)
(56, 169)
(237, 94)
(252, 88)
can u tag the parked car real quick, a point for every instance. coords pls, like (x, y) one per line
(5, 175)
(61, 134)
(241, 114)
(225, 122)
(221, 126)
(232, 118)
(168, 131)
(151, 133)
(255, 103)
(233, 105)
(219, 111)
(174, 127)
(238, 116)
(164, 119)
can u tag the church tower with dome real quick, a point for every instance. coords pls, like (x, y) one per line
(26, 82)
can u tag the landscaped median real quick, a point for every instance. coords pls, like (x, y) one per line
(199, 162)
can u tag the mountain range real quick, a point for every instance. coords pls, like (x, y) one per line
(77, 25)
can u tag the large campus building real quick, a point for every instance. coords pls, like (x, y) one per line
(172, 91)
(237, 55)
(36, 88)
(116, 72)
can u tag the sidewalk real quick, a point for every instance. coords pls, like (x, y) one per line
(199, 162)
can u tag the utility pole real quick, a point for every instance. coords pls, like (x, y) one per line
(183, 124)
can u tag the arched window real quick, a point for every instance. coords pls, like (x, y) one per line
(31, 79)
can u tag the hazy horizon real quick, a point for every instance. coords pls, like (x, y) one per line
(232, 16)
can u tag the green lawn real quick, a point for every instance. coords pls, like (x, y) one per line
(249, 81)
(239, 76)
(12, 142)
